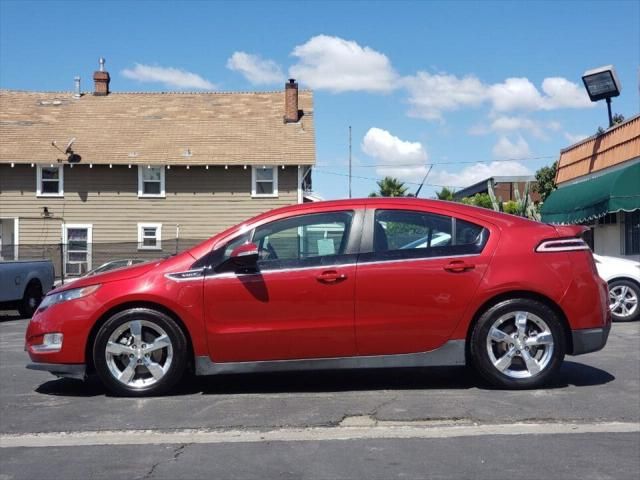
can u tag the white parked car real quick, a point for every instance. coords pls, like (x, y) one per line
(623, 277)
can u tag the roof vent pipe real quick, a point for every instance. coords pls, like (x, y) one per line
(77, 93)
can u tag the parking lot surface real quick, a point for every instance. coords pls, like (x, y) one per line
(402, 423)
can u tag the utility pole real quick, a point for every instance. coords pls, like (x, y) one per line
(349, 161)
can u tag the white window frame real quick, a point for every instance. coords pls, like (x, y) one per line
(39, 192)
(254, 183)
(65, 242)
(141, 227)
(141, 193)
(16, 237)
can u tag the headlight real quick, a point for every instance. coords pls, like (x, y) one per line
(67, 295)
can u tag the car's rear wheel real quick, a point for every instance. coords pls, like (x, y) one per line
(518, 343)
(623, 300)
(31, 299)
(140, 352)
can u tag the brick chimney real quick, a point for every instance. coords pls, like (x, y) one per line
(291, 113)
(101, 80)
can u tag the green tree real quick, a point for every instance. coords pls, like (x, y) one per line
(479, 200)
(390, 187)
(445, 194)
(616, 118)
(512, 207)
(546, 180)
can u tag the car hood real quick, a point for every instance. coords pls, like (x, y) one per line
(111, 276)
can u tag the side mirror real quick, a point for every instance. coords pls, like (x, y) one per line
(243, 257)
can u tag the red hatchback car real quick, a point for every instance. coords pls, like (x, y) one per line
(344, 284)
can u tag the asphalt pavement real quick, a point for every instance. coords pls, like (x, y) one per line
(402, 423)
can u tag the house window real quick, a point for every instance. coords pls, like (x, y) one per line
(632, 233)
(149, 236)
(264, 182)
(77, 248)
(50, 181)
(150, 181)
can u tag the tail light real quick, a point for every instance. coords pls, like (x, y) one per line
(562, 245)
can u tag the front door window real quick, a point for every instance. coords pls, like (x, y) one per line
(304, 241)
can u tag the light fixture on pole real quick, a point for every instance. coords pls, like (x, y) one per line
(602, 83)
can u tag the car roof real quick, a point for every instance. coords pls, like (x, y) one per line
(502, 220)
(394, 202)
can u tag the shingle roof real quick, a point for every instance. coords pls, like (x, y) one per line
(156, 128)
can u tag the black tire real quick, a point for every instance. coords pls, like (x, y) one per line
(482, 347)
(633, 292)
(173, 357)
(31, 299)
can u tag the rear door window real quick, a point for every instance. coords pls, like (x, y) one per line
(401, 234)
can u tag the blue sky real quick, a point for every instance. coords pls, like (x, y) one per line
(460, 85)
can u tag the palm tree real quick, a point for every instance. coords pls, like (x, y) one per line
(390, 187)
(445, 194)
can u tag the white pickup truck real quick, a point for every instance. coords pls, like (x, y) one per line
(23, 284)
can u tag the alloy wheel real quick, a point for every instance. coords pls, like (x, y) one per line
(520, 344)
(623, 301)
(138, 354)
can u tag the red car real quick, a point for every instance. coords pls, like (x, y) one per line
(344, 284)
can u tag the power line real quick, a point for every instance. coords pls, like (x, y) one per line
(523, 159)
(375, 179)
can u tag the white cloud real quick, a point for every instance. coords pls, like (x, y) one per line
(515, 94)
(430, 95)
(255, 69)
(169, 76)
(476, 173)
(338, 65)
(506, 149)
(575, 138)
(561, 93)
(509, 124)
(554, 125)
(521, 94)
(397, 158)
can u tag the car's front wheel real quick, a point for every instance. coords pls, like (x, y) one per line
(623, 300)
(518, 343)
(140, 352)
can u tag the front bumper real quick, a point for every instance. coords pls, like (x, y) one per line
(589, 339)
(77, 371)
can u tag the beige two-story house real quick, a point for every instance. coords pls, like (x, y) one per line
(91, 177)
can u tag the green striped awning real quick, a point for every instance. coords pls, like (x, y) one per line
(594, 198)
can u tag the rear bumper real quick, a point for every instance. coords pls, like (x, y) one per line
(61, 370)
(589, 339)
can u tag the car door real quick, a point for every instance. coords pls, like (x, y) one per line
(299, 302)
(417, 274)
